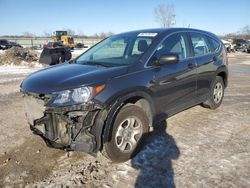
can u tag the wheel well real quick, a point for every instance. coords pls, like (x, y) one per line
(144, 104)
(223, 75)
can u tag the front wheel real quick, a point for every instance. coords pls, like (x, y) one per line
(216, 94)
(129, 127)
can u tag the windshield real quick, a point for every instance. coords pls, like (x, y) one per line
(71, 40)
(60, 33)
(117, 50)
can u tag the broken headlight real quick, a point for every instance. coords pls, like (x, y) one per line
(76, 96)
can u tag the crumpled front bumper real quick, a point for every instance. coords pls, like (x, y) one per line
(76, 127)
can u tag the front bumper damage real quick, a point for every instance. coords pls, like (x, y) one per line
(77, 127)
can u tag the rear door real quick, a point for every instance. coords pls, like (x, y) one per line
(205, 60)
(175, 84)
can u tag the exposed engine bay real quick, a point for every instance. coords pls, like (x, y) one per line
(69, 128)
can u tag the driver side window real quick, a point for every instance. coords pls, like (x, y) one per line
(175, 44)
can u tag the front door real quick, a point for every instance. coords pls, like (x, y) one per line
(175, 83)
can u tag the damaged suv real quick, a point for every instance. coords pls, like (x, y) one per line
(112, 95)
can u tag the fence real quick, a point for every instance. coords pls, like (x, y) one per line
(40, 41)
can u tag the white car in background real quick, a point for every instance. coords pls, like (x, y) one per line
(229, 46)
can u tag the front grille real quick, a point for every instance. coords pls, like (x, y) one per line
(34, 108)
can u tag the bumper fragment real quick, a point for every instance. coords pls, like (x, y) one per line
(66, 128)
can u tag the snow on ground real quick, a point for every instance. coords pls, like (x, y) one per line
(39, 51)
(245, 63)
(78, 51)
(2, 51)
(12, 75)
(8, 80)
(195, 148)
(14, 69)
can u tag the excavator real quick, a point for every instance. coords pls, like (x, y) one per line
(59, 50)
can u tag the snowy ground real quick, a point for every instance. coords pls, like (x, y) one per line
(195, 148)
(14, 73)
(9, 73)
(76, 52)
(14, 69)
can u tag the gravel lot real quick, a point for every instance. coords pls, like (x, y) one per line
(195, 148)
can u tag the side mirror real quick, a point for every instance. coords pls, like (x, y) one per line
(170, 58)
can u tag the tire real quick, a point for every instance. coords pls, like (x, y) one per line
(127, 135)
(55, 59)
(216, 94)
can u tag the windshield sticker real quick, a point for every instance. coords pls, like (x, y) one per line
(147, 34)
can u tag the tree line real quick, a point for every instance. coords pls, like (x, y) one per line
(164, 15)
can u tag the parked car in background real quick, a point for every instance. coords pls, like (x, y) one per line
(112, 95)
(240, 44)
(229, 46)
(248, 46)
(5, 44)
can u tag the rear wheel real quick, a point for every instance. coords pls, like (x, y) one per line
(126, 138)
(216, 94)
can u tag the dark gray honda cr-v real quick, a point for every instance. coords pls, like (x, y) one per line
(114, 93)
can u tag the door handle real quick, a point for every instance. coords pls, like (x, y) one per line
(191, 65)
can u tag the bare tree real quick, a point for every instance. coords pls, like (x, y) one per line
(69, 31)
(103, 34)
(106, 34)
(28, 34)
(165, 15)
(47, 33)
(245, 31)
(81, 33)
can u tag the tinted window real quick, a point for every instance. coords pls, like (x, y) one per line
(214, 44)
(175, 44)
(200, 44)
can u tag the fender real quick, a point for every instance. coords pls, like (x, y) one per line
(105, 118)
(222, 70)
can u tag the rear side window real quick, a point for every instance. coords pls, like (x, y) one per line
(214, 44)
(200, 44)
(175, 44)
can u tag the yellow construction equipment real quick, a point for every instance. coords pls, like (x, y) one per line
(60, 49)
(65, 39)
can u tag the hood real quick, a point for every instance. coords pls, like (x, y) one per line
(68, 76)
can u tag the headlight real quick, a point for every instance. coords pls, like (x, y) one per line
(76, 96)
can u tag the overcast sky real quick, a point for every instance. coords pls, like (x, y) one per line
(95, 16)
